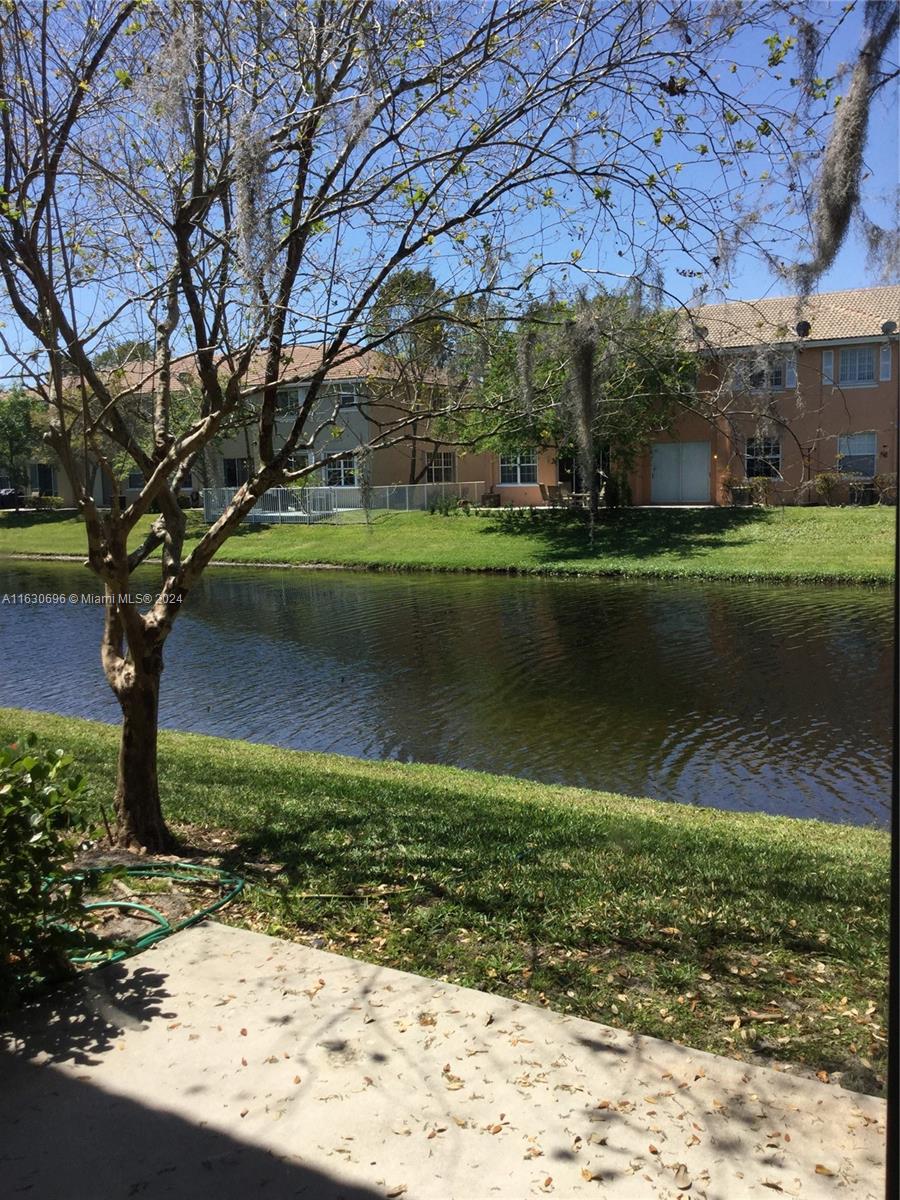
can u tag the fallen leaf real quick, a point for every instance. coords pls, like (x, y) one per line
(244, 1111)
(243, 1062)
(821, 1169)
(653, 1149)
(682, 1177)
(397, 1191)
(296, 1079)
(243, 1033)
(588, 1175)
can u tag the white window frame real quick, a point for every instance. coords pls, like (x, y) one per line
(764, 449)
(298, 460)
(340, 469)
(516, 464)
(845, 380)
(347, 391)
(135, 481)
(441, 467)
(884, 363)
(775, 374)
(845, 449)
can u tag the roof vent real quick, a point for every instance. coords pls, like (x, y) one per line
(803, 329)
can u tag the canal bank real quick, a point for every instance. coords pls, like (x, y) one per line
(759, 937)
(788, 545)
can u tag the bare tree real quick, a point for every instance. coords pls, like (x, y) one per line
(225, 179)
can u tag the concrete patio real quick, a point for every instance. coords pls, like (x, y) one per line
(228, 1064)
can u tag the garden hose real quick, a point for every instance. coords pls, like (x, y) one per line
(180, 872)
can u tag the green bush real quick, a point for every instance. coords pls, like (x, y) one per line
(447, 506)
(37, 820)
(827, 485)
(48, 503)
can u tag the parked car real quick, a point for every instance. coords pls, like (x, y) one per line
(9, 498)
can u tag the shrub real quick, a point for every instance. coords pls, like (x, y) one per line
(886, 488)
(759, 489)
(446, 506)
(37, 818)
(48, 503)
(827, 484)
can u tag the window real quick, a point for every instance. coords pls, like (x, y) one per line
(441, 467)
(518, 468)
(857, 365)
(856, 454)
(188, 480)
(768, 379)
(287, 400)
(296, 462)
(762, 374)
(763, 458)
(135, 480)
(43, 478)
(345, 391)
(236, 471)
(341, 472)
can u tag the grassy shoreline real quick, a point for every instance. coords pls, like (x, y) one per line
(800, 545)
(754, 936)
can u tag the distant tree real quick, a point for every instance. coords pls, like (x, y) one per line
(20, 436)
(408, 324)
(593, 378)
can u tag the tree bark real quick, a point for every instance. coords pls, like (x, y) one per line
(134, 676)
(139, 818)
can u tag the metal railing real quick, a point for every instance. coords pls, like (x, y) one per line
(311, 505)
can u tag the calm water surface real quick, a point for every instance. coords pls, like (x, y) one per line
(739, 697)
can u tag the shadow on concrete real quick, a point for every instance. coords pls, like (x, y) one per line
(66, 1139)
(80, 1021)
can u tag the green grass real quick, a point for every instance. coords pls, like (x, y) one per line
(794, 544)
(673, 921)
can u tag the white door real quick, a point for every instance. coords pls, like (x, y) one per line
(680, 473)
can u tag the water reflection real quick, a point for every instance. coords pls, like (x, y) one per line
(753, 698)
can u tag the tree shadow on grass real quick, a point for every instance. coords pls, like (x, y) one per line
(628, 532)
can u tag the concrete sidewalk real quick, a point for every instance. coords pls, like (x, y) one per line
(227, 1064)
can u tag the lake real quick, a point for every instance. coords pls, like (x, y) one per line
(742, 697)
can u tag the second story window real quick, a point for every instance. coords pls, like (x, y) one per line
(857, 364)
(763, 459)
(441, 467)
(767, 379)
(344, 392)
(518, 468)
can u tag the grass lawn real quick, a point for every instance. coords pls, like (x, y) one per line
(734, 934)
(796, 544)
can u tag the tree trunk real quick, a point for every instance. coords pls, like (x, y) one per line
(139, 818)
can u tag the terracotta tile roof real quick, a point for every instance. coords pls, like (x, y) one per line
(859, 312)
(298, 363)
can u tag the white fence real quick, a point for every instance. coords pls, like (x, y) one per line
(310, 505)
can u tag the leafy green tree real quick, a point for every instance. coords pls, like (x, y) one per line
(593, 380)
(408, 325)
(20, 436)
